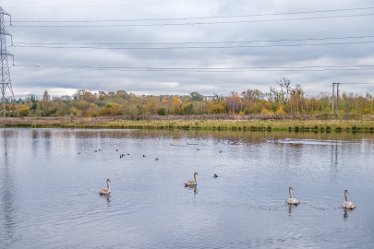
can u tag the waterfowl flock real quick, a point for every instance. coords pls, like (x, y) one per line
(291, 201)
(347, 205)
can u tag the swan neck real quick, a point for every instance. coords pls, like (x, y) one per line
(194, 177)
(346, 196)
(289, 192)
(107, 184)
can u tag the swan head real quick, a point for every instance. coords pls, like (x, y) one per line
(346, 194)
(195, 174)
(108, 180)
(290, 189)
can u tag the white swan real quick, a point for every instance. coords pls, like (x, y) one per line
(291, 200)
(106, 191)
(348, 204)
(192, 183)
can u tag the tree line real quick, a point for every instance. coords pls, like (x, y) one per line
(282, 99)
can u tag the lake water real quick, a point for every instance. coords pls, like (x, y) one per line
(50, 179)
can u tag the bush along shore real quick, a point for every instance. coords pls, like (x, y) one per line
(233, 124)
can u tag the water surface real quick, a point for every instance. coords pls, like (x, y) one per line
(50, 179)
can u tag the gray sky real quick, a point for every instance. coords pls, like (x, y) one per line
(247, 47)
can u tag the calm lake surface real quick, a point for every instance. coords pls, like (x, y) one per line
(50, 180)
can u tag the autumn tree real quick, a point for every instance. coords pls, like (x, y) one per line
(251, 102)
(296, 100)
(195, 96)
(46, 96)
(234, 103)
(282, 99)
(217, 106)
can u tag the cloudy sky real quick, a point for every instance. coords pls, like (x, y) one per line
(181, 46)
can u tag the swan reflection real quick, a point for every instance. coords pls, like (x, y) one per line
(290, 208)
(107, 198)
(194, 188)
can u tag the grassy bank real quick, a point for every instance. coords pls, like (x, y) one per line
(234, 125)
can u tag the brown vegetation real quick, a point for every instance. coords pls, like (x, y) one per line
(281, 102)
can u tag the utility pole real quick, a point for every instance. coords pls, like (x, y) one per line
(337, 98)
(335, 101)
(5, 83)
(333, 98)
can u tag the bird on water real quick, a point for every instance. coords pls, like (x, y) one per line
(106, 190)
(348, 204)
(291, 200)
(192, 183)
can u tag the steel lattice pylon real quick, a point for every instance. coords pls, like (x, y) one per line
(5, 83)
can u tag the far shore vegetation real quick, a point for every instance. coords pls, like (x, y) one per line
(238, 124)
(283, 108)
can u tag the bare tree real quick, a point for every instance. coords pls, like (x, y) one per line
(285, 85)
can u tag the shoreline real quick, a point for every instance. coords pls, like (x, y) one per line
(192, 124)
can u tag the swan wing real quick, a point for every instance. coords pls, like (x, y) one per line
(190, 183)
(293, 201)
(105, 191)
(349, 205)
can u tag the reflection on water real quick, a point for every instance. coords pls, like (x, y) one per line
(7, 222)
(290, 207)
(106, 198)
(50, 180)
(193, 188)
(345, 215)
(231, 137)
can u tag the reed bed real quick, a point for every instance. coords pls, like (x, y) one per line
(214, 125)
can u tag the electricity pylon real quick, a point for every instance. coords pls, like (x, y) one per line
(5, 83)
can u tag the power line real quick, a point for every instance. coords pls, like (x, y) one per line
(197, 18)
(159, 3)
(197, 47)
(356, 83)
(211, 69)
(195, 23)
(199, 42)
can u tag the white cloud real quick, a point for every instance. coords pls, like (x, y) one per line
(32, 79)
